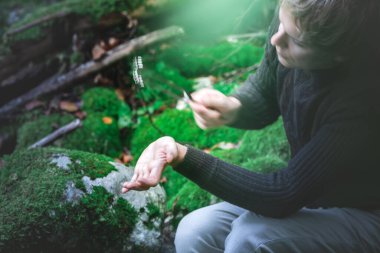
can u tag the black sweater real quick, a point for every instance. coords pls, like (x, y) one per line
(333, 130)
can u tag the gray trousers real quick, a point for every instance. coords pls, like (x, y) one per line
(227, 228)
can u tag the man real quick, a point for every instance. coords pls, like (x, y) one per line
(320, 75)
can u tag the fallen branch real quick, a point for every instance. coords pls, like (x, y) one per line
(57, 134)
(63, 81)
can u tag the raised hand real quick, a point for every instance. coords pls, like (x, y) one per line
(212, 108)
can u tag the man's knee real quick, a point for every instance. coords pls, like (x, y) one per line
(251, 234)
(193, 227)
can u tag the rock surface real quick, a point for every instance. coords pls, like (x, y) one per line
(70, 201)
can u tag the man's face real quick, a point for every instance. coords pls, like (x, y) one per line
(292, 50)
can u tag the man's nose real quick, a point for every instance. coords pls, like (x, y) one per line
(279, 39)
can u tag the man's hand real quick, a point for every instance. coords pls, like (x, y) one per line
(152, 162)
(213, 109)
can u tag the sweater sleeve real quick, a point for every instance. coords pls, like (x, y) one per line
(258, 94)
(284, 192)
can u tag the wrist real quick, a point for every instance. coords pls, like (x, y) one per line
(182, 150)
(234, 106)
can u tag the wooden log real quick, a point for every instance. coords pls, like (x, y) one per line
(57, 134)
(64, 81)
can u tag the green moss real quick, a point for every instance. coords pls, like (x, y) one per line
(33, 131)
(271, 140)
(96, 136)
(162, 82)
(195, 60)
(34, 216)
(174, 182)
(225, 88)
(189, 198)
(154, 212)
(260, 150)
(94, 166)
(181, 126)
(102, 100)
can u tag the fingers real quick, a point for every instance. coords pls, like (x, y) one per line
(210, 98)
(206, 118)
(151, 164)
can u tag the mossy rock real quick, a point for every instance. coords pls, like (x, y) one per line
(56, 200)
(180, 125)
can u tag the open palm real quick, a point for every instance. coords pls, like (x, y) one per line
(151, 164)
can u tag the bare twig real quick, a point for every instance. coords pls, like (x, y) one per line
(57, 134)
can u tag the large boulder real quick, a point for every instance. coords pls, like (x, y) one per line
(56, 200)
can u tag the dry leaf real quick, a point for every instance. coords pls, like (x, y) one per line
(225, 145)
(103, 45)
(126, 158)
(68, 106)
(120, 94)
(81, 114)
(207, 150)
(113, 42)
(99, 79)
(107, 120)
(97, 52)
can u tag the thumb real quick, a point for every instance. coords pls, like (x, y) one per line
(212, 100)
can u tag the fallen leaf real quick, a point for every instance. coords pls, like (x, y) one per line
(107, 120)
(225, 145)
(99, 79)
(81, 114)
(68, 106)
(113, 42)
(126, 158)
(97, 52)
(120, 94)
(207, 150)
(163, 180)
(103, 45)
(33, 104)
